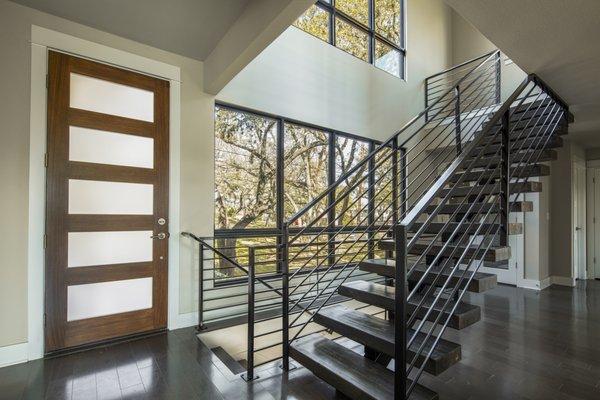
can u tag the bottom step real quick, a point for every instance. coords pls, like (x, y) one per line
(350, 373)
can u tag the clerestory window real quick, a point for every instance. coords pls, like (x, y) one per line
(371, 30)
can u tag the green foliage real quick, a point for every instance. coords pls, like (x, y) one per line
(387, 19)
(315, 21)
(354, 40)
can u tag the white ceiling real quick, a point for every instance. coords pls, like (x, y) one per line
(559, 40)
(190, 28)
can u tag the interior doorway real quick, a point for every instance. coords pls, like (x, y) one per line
(579, 218)
(106, 203)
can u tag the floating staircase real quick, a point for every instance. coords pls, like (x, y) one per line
(439, 192)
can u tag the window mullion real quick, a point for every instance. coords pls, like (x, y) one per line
(372, 31)
(280, 188)
(331, 173)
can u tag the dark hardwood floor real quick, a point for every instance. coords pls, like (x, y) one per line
(529, 345)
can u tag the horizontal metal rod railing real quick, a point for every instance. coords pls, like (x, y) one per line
(539, 127)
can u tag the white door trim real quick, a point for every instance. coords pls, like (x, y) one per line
(43, 39)
(578, 163)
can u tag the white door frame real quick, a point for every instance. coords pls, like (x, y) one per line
(43, 39)
(578, 192)
(593, 219)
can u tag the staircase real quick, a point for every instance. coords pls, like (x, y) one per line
(434, 211)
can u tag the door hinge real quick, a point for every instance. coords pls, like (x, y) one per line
(47, 81)
(45, 241)
(46, 160)
(45, 320)
(594, 260)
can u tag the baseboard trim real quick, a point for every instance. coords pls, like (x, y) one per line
(185, 321)
(13, 354)
(530, 284)
(562, 281)
(545, 283)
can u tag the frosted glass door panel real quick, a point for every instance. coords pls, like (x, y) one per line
(99, 197)
(106, 298)
(101, 147)
(106, 97)
(102, 248)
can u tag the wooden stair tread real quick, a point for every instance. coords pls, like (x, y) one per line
(521, 145)
(527, 171)
(493, 254)
(514, 228)
(516, 206)
(519, 142)
(534, 156)
(383, 296)
(515, 187)
(481, 281)
(378, 334)
(352, 374)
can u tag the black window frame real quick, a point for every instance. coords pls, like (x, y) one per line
(370, 30)
(280, 180)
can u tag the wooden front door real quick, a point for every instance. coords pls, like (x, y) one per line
(106, 203)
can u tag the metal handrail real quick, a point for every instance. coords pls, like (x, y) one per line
(466, 239)
(550, 117)
(385, 144)
(462, 64)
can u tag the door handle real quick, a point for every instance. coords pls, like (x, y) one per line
(160, 236)
(577, 228)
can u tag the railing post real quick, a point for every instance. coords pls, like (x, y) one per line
(200, 326)
(505, 179)
(400, 380)
(426, 99)
(251, 292)
(498, 78)
(285, 302)
(457, 120)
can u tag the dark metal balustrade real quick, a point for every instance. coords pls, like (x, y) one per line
(397, 193)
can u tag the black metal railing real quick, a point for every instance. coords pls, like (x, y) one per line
(239, 282)
(372, 201)
(408, 179)
(522, 128)
(436, 85)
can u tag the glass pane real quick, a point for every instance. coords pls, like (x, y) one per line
(245, 170)
(387, 19)
(93, 146)
(387, 58)
(357, 9)
(315, 21)
(352, 40)
(305, 171)
(106, 97)
(104, 248)
(236, 248)
(98, 197)
(353, 192)
(106, 298)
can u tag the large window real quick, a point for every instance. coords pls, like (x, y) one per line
(245, 170)
(371, 30)
(268, 168)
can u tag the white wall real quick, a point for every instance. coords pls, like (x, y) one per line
(297, 76)
(301, 77)
(15, 66)
(468, 43)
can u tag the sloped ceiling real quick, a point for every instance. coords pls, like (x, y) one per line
(559, 40)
